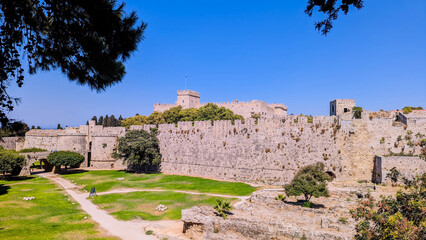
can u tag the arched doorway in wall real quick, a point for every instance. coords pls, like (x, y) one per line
(89, 154)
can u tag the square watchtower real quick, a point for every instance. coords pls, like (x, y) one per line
(341, 106)
(188, 98)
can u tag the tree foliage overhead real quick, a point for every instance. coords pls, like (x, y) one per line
(207, 112)
(87, 40)
(10, 160)
(310, 181)
(139, 149)
(13, 128)
(331, 8)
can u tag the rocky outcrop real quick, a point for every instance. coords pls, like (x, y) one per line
(264, 217)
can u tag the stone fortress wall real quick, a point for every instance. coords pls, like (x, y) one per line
(273, 150)
(270, 150)
(191, 99)
(95, 142)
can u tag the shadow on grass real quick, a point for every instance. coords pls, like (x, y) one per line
(4, 189)
(16, 178)
(300, 203)
(72, 171)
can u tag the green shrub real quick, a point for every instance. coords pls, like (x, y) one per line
(280, 197)
(407, 110)
(343, 220)
(65, 158)
(399, 217)
(149, 232)
(307, 204)
(222, 207)
(34, 149)
(310, 181)
(393, 175)
(10, 162)
(357, 112)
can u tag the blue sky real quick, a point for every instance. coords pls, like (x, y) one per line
(245, 50)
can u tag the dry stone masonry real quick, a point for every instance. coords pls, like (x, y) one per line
(268, 151)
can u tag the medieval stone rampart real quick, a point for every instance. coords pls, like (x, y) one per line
(265, 151)
(12, 143)
(270, 151)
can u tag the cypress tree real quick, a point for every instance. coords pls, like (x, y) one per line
(32, 127)
(38, 127)
(105, 123)
(112, 121)
(101, 121)
(96, 120)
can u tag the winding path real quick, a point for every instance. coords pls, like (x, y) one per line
(130, 230)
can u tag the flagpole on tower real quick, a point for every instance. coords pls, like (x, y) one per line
(186, 79)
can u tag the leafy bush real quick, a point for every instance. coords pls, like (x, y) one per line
(309, 181)
(409, 109)
(393, 175)
(357, 112)
(399, 217)
(10, 162)
(65, 158)
(222, 207)
(139, 149)
(343, 220)
(423, 150)
(307, 204)
(34, 149)
(280, 197)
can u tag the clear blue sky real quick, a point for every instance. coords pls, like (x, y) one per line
(265, 50)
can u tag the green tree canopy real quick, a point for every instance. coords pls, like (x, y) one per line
(65, 158)
(10, 160)
(14, 128)
(139, 149)
(89, 41)
(176, 114)
(310, 181)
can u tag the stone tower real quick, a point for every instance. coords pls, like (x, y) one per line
(341, 106)
(188, 99)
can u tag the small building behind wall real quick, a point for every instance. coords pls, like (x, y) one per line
(408, 167)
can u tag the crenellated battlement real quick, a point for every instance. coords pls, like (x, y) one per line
(191, 99)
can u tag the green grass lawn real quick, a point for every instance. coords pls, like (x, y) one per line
(142, 205)
(106, 180)
(49, 216)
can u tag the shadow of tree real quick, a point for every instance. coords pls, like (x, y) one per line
(300, 203)
(72, 171)
(4, 189)
(17, 178)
